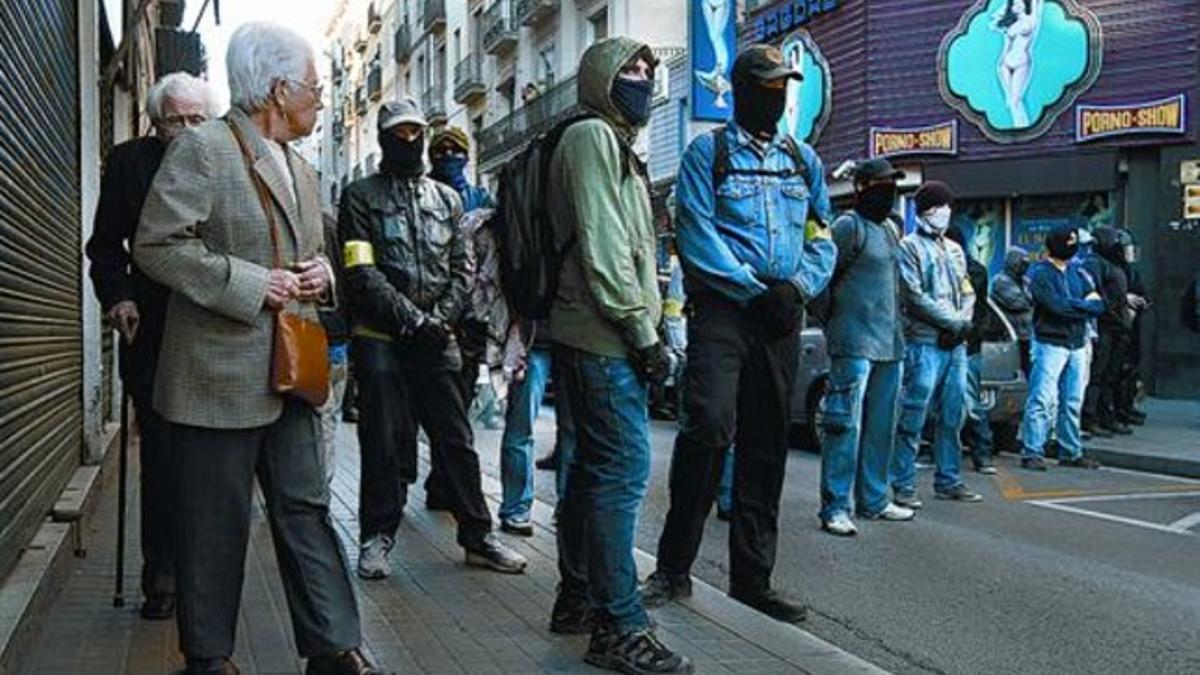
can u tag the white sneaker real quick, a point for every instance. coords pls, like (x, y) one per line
(894, 512)
(840, 525)
(373, 558)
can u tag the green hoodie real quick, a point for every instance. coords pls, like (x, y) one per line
(608, 299)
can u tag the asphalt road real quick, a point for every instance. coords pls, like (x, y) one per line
(1067, 572)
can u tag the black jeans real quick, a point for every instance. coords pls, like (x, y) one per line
(159, 511)
(395, 395)
(736, 378)
(472, 341)
(1105, 381)
(217, 468)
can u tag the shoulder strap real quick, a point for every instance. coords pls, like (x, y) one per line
(793, 149)
(264, 197)
(720, 162)
(721, 167)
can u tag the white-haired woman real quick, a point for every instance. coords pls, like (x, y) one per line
(136, 306)
(233, 227)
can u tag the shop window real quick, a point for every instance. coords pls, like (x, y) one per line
(1035, 217)
(984, 224)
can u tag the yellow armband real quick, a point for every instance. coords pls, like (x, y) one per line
(357, 253)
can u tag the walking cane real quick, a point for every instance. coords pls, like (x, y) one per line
(119, 594)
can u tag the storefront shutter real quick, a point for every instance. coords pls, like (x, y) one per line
(41, 364)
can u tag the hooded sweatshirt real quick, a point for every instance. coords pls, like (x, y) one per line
(608, 300)
(1008, 291)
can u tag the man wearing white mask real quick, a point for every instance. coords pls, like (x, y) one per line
(938, 302)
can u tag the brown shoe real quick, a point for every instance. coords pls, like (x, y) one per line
(350, 662)
(219, 666)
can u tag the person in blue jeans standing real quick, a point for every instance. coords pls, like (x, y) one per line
(865, 334)
(939, 302)
(529, 376)
(1065, 299)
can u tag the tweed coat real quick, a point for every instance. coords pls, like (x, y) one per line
(204, 235)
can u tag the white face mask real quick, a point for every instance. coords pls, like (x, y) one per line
(937, 219)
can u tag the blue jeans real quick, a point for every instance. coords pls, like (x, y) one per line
(1058, 381)
(857, 424)
(977, 431)
(938, 378)
(725, 487)
(606, 484)
(516, 447)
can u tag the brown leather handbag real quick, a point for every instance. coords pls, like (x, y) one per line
(300, 353)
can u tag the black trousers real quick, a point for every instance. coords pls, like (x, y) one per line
(1108, 371)
(395, 395)
(737, 389)
(158, 508)
(472, 341)
(217, 468)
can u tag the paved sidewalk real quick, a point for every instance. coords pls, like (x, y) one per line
(1169, 443)
(434, 615)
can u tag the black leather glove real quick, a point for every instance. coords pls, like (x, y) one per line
(779, 309)
(431, 337)
(950, 339)
(652, 364)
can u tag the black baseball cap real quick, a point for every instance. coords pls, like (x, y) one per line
(872, 169)
(763, 63)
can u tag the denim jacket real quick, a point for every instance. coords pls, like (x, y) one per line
(937, 292)
(753, 229)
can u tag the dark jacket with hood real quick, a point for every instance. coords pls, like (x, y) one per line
(1106, 264)
(1008, 292)
(608, 300)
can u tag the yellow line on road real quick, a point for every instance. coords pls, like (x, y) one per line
(1011, 490)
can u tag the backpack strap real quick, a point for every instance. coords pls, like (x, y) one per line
(722, 167)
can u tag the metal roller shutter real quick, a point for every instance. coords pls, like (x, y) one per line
(41, 361)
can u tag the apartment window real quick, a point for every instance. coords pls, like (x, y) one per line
(458, 55)
(544, 68)
(597, 26)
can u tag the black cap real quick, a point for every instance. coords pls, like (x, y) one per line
(763, 63)
(872, 169)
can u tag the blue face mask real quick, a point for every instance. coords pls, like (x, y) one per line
(451, 170)
(632, 98)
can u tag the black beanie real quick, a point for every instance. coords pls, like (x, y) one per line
(931, 194)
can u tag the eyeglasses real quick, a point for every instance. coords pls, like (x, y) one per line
(317, 89)
(180, 121)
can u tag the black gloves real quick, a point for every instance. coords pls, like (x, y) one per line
(652, 364)
(779, 309)
(431, 337)
(950, 339)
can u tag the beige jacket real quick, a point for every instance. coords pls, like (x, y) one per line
(204, 235)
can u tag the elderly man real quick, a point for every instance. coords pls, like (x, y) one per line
(230, 199)
(136, 306)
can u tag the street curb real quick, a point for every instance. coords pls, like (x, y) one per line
(1148, 463)
(39, 576)
(788, 642)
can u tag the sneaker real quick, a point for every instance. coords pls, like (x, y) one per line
(985, 467)
(570, 616)
(840, 525)
(908, 500)
(1081, 462)
(547, 463)
(960, 493)
(491, 554)
(636, 653)
(892, 512)
(520, 528)
(351, 662)
(373, 558)
(661, 588)
(1033, 463)
(773, 604)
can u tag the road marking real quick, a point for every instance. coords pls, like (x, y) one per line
(1111, 518)
(1147, 474)
(1011, 490)
(1123, 496)
(1187, 522)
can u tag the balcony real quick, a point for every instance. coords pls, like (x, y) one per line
(433, 19)
(360, 43)
(433, 102)
(404, 43)
(374, 21)
(500, 140)
(532, 12)
(375, 82)
(499, 30)
(469, 86)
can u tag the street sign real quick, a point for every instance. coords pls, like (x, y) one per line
(1189, 171)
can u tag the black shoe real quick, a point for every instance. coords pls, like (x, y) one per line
(158, 607)
(1095, 430)
(725, 515)
(570, 617)
(350, 415)
(350, 662)
(636, 653)
(661, 588)
(959, 493)
(220, 666)
(436, 503)
(1033, 463)
(1132, 417)
(774, 605)
(547, 463)
(1115, 427)
(1080, 463)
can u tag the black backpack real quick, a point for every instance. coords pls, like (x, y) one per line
(531, 249)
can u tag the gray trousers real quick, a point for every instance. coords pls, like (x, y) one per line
(217, 470)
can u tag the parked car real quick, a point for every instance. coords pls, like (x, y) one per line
(1004, 387)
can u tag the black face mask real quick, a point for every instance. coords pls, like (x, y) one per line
(757, 109)
(632, 98)
(875, 202)
(1059, 249)
(400, 157)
